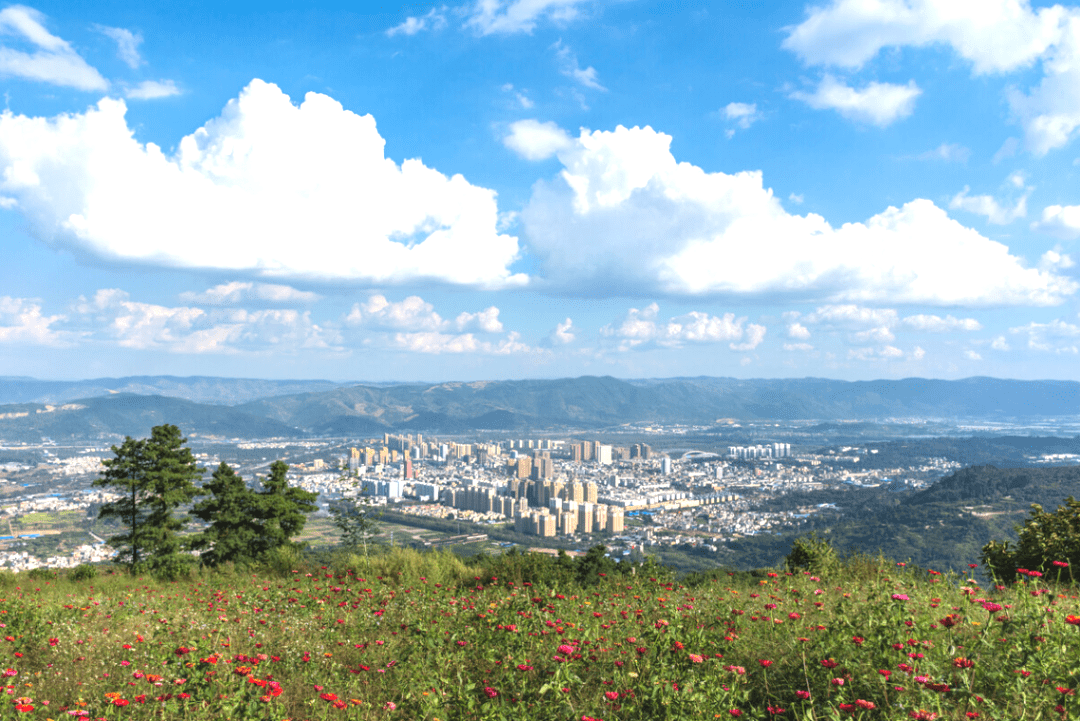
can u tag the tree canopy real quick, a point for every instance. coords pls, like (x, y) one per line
(235, 532)
(154, 476)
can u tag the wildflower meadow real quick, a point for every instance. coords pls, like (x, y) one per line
(410, 635)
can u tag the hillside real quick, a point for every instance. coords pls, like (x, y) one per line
(402, 635)
(201, 389)
(591, 402)
(128, 414)
(944, 526)
(325, 408)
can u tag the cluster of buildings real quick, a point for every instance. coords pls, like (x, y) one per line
(747, 453)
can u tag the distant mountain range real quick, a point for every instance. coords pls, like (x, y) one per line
(201, 389)
(256, 408)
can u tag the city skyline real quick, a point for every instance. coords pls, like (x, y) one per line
(540, 189)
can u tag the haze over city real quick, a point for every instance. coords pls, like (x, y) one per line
(547, 188)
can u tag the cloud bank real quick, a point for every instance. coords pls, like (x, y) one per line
(268, 188)
(624, 210)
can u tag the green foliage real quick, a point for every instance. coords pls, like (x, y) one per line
(83, 572)
(413, 635)
(41, 574)
(154, 476)
(281, 510)
(282, 560)
(1043, 539)
(812, 553)
(235, 533)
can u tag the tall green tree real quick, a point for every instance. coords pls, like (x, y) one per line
(154, 476)
(235, 532)
(281, 509)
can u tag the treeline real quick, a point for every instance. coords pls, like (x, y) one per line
(983, 484)
(1010, 451)
(156, 476)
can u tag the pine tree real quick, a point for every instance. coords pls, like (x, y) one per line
(154, 476)
(281, 509)
(235, 532)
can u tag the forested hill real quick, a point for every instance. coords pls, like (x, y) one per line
(604, 401)
(326, 408)
(986, 484)
(943, 527)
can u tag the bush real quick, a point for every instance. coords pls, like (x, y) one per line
(1046, 541)
(83, 572)
(282, 560)
(41, 574)
(171, 568)
(811, 553)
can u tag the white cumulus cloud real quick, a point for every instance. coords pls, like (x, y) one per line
(49, 59)
(937, 324)
(484, 321)
(411, 314)
(22, 322)
(879, 104)
(238, 292)
(268, 187)
(1057, 336)
(995, 36)
(563, 334)
(534, 140)
(997, 213)
(114, 317)
(798, 331)
(644, 328)
(744, 114)
(1060, 220)
(625, 210)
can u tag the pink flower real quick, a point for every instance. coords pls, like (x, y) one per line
(804, 695)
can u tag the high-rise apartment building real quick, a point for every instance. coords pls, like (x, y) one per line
(603, 454)
(614, 519)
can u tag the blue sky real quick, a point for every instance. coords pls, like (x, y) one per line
(540, 188)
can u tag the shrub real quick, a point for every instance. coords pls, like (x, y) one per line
(1045, 538)
(83, 572)
(41, 574)
(811, 553)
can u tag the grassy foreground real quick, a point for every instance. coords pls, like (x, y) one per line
(404, 635)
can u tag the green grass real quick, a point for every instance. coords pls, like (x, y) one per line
(406, 635)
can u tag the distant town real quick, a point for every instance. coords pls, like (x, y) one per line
(564, 492)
